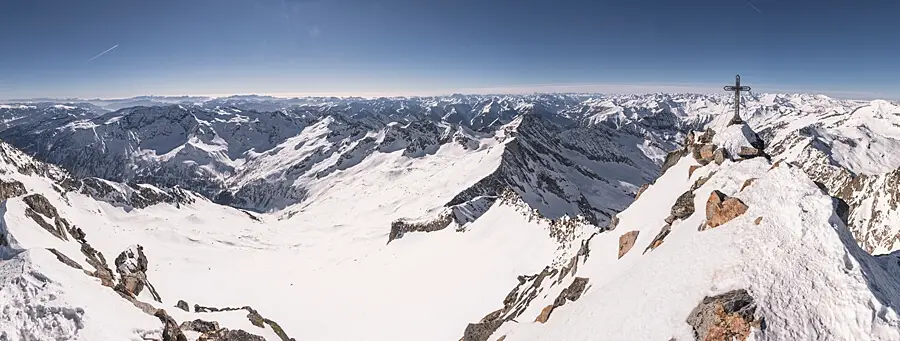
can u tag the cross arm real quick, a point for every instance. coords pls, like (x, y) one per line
(734, 88)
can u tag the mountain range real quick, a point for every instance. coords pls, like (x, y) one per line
(481, 217)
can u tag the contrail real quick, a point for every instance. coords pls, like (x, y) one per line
(748, 2)
(104, 52)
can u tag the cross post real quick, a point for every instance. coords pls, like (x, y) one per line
(737, 88)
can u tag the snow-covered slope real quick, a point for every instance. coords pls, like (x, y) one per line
(773, 261)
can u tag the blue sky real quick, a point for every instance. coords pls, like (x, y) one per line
(419, 47)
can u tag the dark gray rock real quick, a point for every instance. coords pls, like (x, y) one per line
(9, 189)
(39, 203)
(724, 317)
(671, 159)
(200, 326)
(65, 259)
(684, 205)
(183, 305)
(237, 335)
(480, 331)
(572, 292)
(720, 155)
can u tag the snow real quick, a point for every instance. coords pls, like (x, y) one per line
(806, 273)
(314, 272)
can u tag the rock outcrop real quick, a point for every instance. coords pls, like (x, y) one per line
(721, 209)
(38, 208)
(724, 317)
(131, 265)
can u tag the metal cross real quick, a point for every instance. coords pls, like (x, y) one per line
(737, 88)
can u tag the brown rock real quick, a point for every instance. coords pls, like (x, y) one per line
(626, 242)
(692, 169)
(704, 155)
(747, 183)
(641, 191)
(720, 155)
(502, 338)
(721, 209)
(758, 220)
(545, 314)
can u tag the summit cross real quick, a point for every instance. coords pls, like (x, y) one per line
(737, 88)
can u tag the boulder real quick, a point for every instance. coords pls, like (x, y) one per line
(545, 314)
(684, 205)
(758, 220)
(724, 317)
(747, 183)
(721, 209)
(183, 306)
(626, 242)
(720, 155)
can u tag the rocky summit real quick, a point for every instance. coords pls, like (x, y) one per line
(472, 217)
